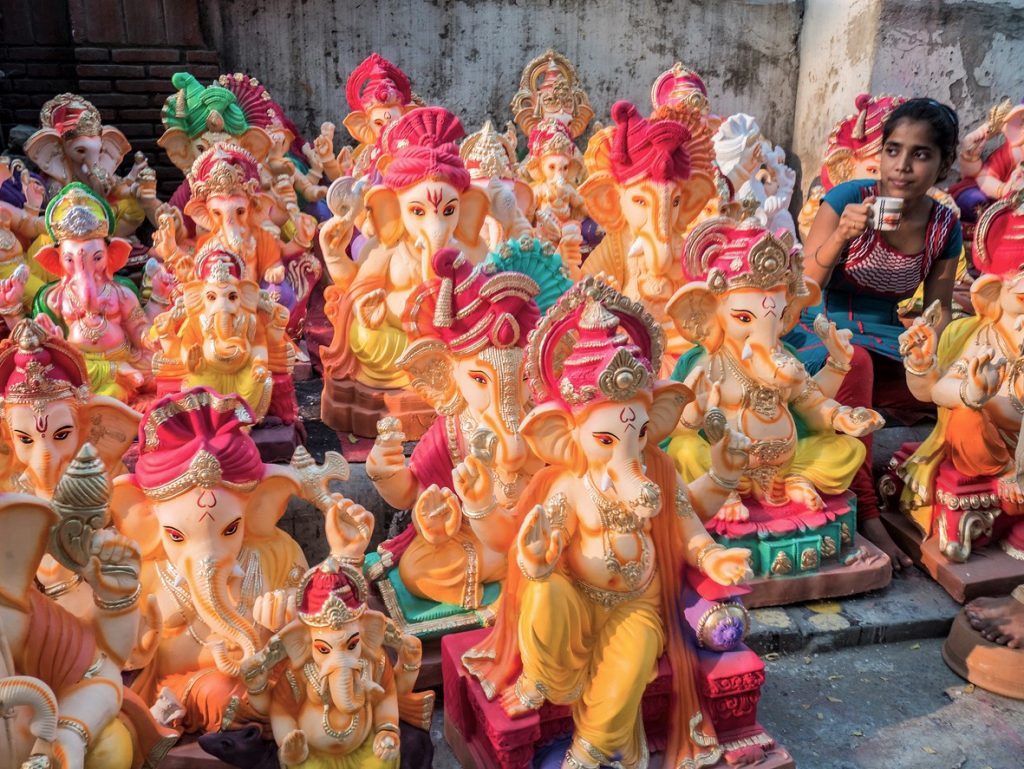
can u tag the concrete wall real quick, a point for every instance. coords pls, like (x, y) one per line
(969, 54)
(468, 55)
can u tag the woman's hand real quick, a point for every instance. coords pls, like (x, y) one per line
(854, 220)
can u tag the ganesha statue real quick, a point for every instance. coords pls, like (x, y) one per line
(549, 89)
(74, 146)
(204, 509)
(1000, 174)
(490, 159)
(468, 327)
(604, 533)
(739, 149)
(771, 188)
(962, 485)
(100, 311)
(76, 659)
(48, 415)
(425, 203)
(648, 179)
(789, 507)
(226, 334)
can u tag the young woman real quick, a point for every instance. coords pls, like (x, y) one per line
(865, 272)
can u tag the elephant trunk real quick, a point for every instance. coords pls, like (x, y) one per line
(654, 283)
(33, 693)
(343, 691)
(236, 238)
(208, 581)
(84, 285)
(770, 364)
(641, 495)
(226, 343)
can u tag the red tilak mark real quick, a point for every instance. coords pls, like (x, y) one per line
(434, 198)
(206, 507)
(42, 421)
(627, 416)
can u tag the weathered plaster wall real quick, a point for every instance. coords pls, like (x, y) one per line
(967, 53)
(468, 55)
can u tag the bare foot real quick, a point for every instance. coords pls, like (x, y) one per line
(733, 510)
(876, 533)
(802, 492)
(515, 705)
(1000, 620)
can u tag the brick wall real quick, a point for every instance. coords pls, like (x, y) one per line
(119, 54)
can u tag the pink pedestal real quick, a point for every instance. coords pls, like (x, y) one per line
(482, 736)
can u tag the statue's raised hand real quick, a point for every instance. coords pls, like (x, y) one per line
(836, 340)
(323, 145)
(728, 566)
(274, 609)
(194, 357)
(12, 289)
(387, 457)
(918, 344)
(437, 514)
(114, 566)
(348, 526)
(539, 544)
(274, 274)
(730, 455)
(985, 372)
(474, 484)
(165, 239)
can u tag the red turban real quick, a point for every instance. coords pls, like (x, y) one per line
(648, 148)
(422, 146)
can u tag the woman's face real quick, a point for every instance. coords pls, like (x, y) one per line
(911, 161)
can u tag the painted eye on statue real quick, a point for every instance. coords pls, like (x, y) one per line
(605, 439)
(642, 202)
(676, 201)
(643, 430)
(62, 434)
(417, 211)
(211, 297)
(353, 642)
(174, 534)
(479, 377)
(743, 317)
(240, 211)
(322, 647)
(232, 528)
(449, 210)
(27, 440)
(233, 296)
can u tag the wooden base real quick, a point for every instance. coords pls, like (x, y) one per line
(871, 571)
(983, 663)
(347, 406)
(988, 572)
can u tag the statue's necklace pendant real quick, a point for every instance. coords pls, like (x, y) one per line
(762, 399)
(616, 517)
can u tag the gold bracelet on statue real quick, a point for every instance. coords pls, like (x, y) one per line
(387, 726)
(842, 368)
(965, 399)
(541, 578)
(725, 484)
(476, 515)
(378, 477)
(259, 689)
(932, 362)
(76, 726)
(530, 703)
(707, 549)
(119, 604)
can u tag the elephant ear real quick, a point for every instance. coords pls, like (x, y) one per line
(8, 461)
(200, 213)
(26, 522)
(358, 124)
(192, 296)
(113, 147)
(431, 370)
(985, 296)
(473, 207)
(178, 146)
(601, 194)
(257, 142)
(297, 644)
(118, 251)
(132, 513)
(385, 214)
(269, 499)
(524, 195)
(110, 426)
(46, 149)
(48, 258)
(809, 298)
(548, 429)
(669, 400)
(694, 310)
(249, 290)
(696, 192)
(374, 627)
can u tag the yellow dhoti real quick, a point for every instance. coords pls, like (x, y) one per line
(255, 390)
(597, 658)
(362, 757)
(377, 349)
(102, 368)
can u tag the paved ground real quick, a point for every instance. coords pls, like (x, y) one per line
(886, 706)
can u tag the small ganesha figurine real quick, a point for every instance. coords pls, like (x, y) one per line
(100, 311)
(468, 328)
(747, 292)
(999, 175)
(225, 333)
(338, 704)
(592, 597)
(963, 482)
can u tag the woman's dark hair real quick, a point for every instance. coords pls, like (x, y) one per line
(941, 119)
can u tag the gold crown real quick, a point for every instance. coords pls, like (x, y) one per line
(38, 388)
(77, 214)
(493, 153)
(335, 612)
(204, 470)
(88, 123)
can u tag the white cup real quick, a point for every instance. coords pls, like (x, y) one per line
(886, 213)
